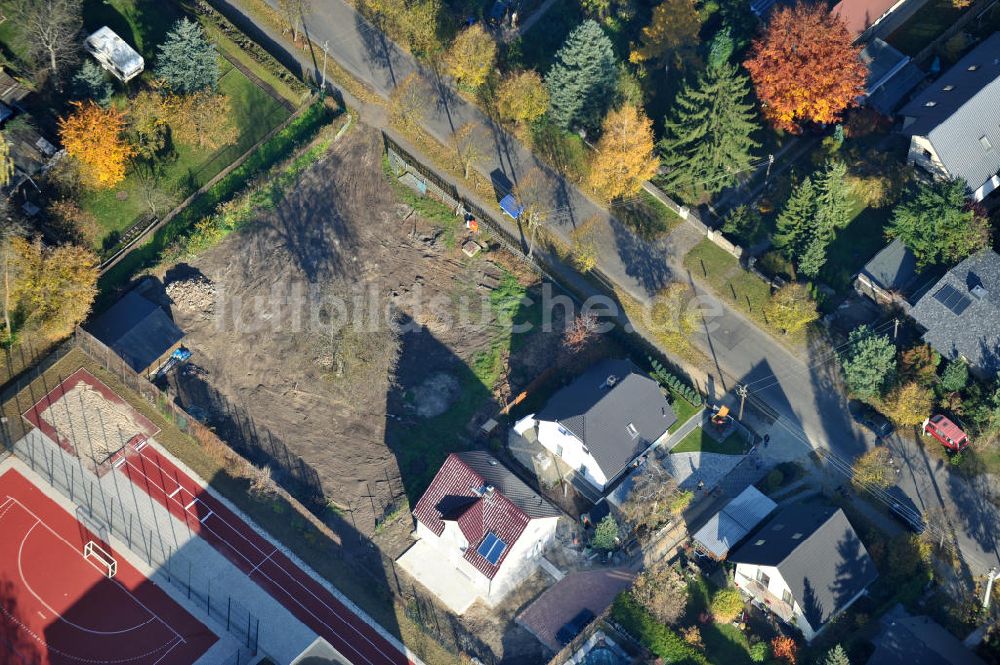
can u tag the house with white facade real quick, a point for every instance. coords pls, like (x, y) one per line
(480, 532)
(952, 123)
(806, 565)
(602, 421)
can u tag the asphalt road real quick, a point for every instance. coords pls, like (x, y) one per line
(804, 391)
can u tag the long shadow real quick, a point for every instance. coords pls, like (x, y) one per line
(642, 261)
(380, 52)
(15, 645)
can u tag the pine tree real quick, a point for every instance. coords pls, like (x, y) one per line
(836, 656)
(833, 212)
(708, 136)
(91, 82)
(582, 79)
(187, 61)
(795, 228)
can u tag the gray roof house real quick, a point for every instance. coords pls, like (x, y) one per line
(602, 421)
(918, 640)
(891, 76)
(728, 527)
(953, 125)
(138, 330)
(961, 313)
(889, 274)
(806, 565)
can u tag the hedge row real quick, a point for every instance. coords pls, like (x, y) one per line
(252, 48)
(652, 634)
(675, 384)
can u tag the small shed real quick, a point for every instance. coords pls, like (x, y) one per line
(730, 525)
(139, 331)
(888, 276)
(511, 207)
(114, 54)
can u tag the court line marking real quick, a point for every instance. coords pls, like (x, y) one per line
(291, 596)
(119, 584)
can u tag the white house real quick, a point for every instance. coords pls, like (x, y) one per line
(480, 532)
(602, 421)
(806, 565)
(953, 125)
(114, 54)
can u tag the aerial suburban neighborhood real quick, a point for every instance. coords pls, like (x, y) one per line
(481, 332)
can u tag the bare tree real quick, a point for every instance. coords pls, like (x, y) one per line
(465, 141)
(51, 29)
(529, 192)
(294, 12)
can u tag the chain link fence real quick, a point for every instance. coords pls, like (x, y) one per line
(104, 514)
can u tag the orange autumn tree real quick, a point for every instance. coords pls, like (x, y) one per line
(94, 136)
(804, 67)
(625, 155)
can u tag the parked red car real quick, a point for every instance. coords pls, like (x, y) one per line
(948, 433)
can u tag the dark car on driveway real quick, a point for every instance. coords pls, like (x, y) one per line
(871, 419)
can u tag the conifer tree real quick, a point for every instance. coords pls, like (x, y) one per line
(187, 61)
(795, 228)
(708, 136)
(582, 79)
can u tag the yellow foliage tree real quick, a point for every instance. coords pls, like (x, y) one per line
(791, 309)
(522, 97)
(472, 56)
(672, 34)
(909, 404)
(203, 119)
(408, 103)
(52, 287)
(94, 136)
(624, 154)
(873, 469)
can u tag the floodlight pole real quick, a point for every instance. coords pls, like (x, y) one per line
(742, 392)
(994, 573)
(326, 48)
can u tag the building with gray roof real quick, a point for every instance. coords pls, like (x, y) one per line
(602, 421)
(891, 76)
(139, 331)
(961, 313)
(806, 565)
(918, 640)
(953, 125)
(889, 276)
(728, 527)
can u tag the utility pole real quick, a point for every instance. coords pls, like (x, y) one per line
(895, 329)
(326, 48)
(742, 392)
(994, 573)
(770, 161)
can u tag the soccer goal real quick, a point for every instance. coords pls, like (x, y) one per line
(100, 559)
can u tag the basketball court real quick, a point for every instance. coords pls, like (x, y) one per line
(68, 597)
(88, 419)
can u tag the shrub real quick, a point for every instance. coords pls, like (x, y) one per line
(726, 605)
(785, 648)
(606, 534)
(774, 480)
(955, 376)
(670, 381)
(653, 635)
(760, 652)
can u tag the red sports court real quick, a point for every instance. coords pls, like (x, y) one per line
(61, 606)
(265, 564)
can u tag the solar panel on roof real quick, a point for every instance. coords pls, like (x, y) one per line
(491, 548)
(953, 299)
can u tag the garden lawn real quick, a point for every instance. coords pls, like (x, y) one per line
(925, 26)
(722, 272)
(724, 643)
(855, 245)
(255, 113)
(683, 409)
(646, 216)
(698, 441)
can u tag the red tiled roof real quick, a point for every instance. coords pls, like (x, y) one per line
(859, 15)
(456, 494)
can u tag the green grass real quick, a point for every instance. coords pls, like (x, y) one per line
(647, 216)
(254, 112)
(564, 151)
(925, 26)
(855, 245)
(700, 442)
(724, 643)
(722, 271)
(683, 409)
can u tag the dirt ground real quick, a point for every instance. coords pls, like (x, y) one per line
(256, 311)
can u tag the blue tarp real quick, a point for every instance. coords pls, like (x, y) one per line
(510, 206)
